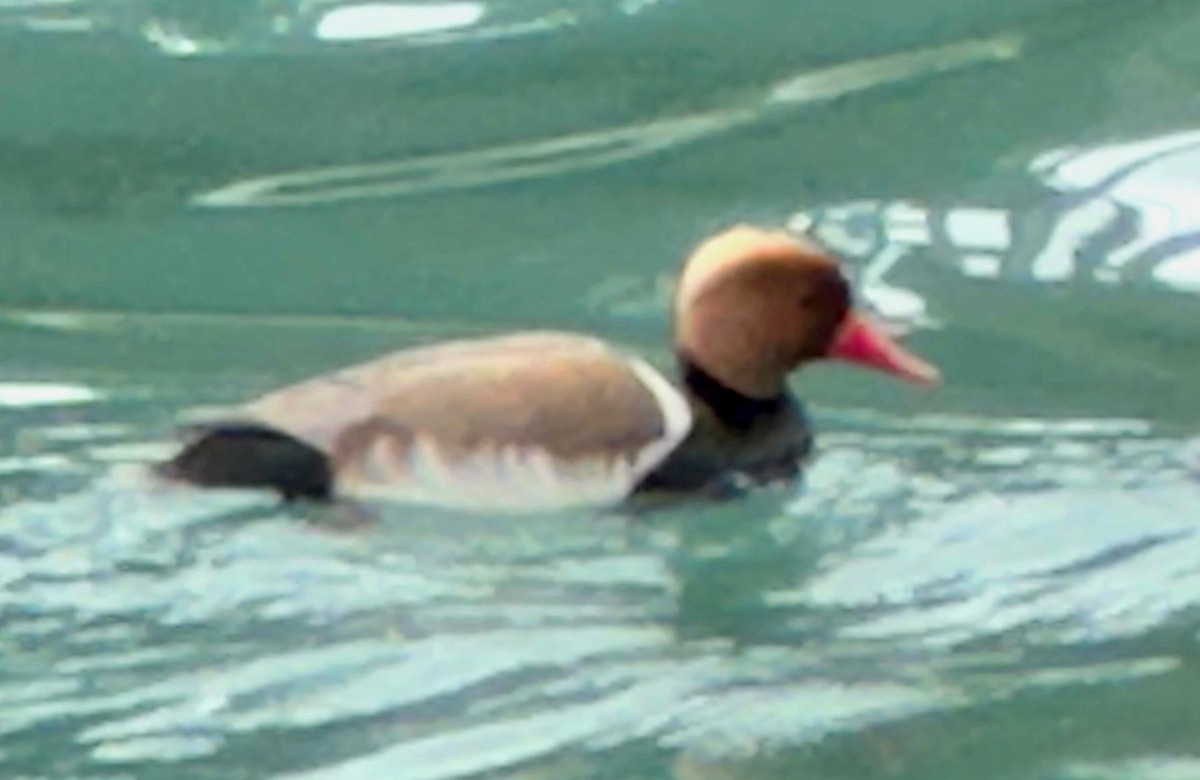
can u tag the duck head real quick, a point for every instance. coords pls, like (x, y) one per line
(753, 305)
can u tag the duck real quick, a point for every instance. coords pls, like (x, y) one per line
(544, 420)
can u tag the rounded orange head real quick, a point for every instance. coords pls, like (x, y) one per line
(752, 305)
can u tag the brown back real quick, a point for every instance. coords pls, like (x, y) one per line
(569, 396)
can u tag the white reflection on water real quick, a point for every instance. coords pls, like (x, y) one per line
(1110, 214)
(387, 20)
(1118, 214)
(185, 29)
(149, 627)
(1148, 768)
(25, 394)
(1094, 562)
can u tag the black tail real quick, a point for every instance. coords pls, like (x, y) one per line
(249, 455)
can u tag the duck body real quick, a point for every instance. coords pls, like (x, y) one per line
(544, 420)
(525, 421)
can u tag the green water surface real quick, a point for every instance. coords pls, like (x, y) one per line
(999, 579)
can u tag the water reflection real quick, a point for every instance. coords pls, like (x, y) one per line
(922, 570)
(984, 595)
(1109, 216)
(469, 169)
(181, 28)
(589, 150)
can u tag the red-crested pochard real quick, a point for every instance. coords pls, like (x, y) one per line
(540, 420)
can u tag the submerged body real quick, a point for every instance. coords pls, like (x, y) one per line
(542, 420)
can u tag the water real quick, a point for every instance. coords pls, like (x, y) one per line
(996, 580)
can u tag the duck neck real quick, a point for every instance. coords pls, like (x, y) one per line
(733, 408)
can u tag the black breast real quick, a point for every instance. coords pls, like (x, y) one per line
(736, 442)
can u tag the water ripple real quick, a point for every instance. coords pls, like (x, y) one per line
(590, 150)
(159, 627)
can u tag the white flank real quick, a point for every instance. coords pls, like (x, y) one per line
(514, 478)
(504, 479)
